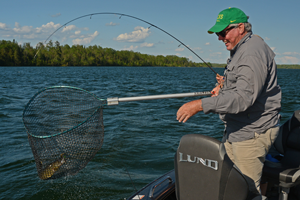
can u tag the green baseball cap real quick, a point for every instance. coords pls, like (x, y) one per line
(226, 17)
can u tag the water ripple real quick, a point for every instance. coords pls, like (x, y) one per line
(140, 137)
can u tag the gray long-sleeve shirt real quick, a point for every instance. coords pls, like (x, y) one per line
(250, 99)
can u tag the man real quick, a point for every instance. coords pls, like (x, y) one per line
(247, 98)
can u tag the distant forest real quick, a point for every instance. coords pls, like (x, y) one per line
(54, 54)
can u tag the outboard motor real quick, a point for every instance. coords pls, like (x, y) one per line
(204, 171)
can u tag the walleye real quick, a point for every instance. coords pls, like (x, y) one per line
(52, 168)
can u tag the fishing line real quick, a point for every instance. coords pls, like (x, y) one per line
(121, 15)
(132, 182)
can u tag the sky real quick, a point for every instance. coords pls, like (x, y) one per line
(33, 21)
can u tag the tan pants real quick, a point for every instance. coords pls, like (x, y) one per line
(249, 156)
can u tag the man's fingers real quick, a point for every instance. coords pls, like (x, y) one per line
(183, 118)
(181, 115)
(189, 109)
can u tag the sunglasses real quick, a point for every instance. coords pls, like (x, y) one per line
(225, 31)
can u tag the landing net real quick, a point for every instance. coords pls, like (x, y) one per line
(65, 130)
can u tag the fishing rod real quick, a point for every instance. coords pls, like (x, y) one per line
(121, 15)
(65, 125)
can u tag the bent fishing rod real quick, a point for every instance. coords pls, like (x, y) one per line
(121, 15)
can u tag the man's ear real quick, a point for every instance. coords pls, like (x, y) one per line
(241, 28)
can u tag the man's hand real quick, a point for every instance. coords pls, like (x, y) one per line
(220, 80)
(189, 109)
(215, 91)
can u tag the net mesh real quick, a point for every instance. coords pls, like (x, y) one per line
(65, 130)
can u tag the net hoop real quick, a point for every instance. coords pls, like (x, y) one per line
(54, 87)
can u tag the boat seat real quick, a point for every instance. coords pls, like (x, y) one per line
(286, 171)
(204, 171)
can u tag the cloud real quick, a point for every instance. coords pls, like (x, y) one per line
(291, 53)
(207, 43)
(22, 30)
(179, 49)
(266, 38)
(197, 48)
(56, 15)
(17, 25)
(216, 53)
(138, 35)
(145, 44)
(288, 60)
(131, 48)
(30, 36)
(47, 28)
(35, 35)
(111, 24)
(86, 40)
(69, 28)
(273, 48)
(3, 26)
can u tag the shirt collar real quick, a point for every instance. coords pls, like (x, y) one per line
(242, 41)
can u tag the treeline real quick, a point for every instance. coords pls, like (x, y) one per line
(288, 66)
(54, 54)
(284, 66)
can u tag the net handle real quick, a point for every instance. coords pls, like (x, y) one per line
(116, 100)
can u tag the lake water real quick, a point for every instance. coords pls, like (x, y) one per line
(140, 137)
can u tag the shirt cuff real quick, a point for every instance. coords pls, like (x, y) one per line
(209, 104)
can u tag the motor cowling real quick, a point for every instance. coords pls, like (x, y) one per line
(204, 171)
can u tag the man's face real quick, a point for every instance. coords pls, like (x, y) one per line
(232, 36)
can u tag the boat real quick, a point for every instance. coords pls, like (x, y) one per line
(203, 171)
